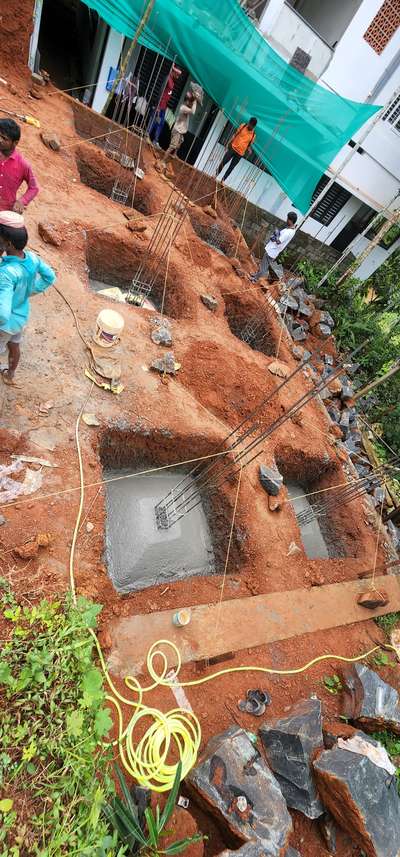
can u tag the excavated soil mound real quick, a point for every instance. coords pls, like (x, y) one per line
(225, 383)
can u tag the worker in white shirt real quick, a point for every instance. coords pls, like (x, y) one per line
(181, 126)
(277, 243)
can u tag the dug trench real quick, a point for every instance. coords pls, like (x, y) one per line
(114, 258)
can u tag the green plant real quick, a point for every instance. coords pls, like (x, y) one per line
(388, 622)
(332, 684)
(391, 743)
(53, 770)
(144, 839)
(381, 659)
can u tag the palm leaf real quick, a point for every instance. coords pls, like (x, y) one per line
(129, 822)
(170, 804)
(129, 802)
(181, 844)
(151, 827)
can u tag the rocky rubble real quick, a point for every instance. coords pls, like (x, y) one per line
(334, 774)
(303, 315)
(233, 782)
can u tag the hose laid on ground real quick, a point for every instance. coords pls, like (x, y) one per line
(178, 731)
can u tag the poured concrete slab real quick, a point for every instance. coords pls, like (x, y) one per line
(246, 622)
(138, 554)
(311, 535)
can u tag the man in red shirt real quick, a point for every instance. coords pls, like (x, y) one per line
(14, 170)
(158, 120)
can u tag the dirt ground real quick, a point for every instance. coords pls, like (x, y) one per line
(220, 382)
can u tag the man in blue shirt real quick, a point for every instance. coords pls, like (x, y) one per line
(22, 274)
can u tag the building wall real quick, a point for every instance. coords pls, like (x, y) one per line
(111, 57)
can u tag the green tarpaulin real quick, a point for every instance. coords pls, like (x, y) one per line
(301, 125)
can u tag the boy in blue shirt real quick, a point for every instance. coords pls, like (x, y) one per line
(22, 274)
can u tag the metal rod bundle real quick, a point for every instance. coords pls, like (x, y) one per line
(346, 494)
(188, 493)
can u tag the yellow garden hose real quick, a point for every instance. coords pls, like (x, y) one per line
(147, 756)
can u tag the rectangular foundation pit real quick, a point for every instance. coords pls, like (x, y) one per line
(138, 553)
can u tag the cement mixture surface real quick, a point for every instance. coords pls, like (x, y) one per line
(140, 554)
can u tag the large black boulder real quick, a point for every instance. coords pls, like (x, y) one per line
(363, 799)
(290, 743)
(233, 782)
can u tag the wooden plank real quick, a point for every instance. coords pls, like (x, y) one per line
(246, 622)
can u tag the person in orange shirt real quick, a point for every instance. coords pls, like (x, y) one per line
(241, 141)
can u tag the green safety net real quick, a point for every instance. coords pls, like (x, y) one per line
(301, 125)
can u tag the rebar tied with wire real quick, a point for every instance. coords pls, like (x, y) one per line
(241, 447)
(157, 253)
(345, 494)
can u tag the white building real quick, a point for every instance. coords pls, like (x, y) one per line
(349, 46)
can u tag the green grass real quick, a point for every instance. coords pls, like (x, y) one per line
(388, 622)
(54, 773)
(391, 743)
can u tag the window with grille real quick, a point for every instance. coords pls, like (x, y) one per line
(330, 204)
(392, 114)
(383, 26)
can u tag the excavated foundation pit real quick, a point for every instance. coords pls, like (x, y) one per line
(305, 478)
(138, 552)
(250, 324)
(113, 261)
(102, 174)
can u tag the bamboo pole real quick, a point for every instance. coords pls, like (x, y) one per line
(373, 384)
(373, 243)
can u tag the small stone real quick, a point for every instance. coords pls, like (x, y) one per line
(210, 211)
(329, 360)
(209, 301)
(277, 367)
(288, 302)
(136, 227)
(290, 743)
(271, 480)
(165, 364)
(292, 852)
(305, 310)
(36, 92)
(347, 393)
(299, 334)
(323, 331)
(51, 141)
(373, 599)
(89, 527)
(326, 318)
(49, 234)
(162, 336)
(298, 352)
(3, 520)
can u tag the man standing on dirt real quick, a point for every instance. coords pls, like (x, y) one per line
(279, 240)
(238, 146)
(158, 121)
(14, 170)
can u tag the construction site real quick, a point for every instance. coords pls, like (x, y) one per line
(208, 481)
